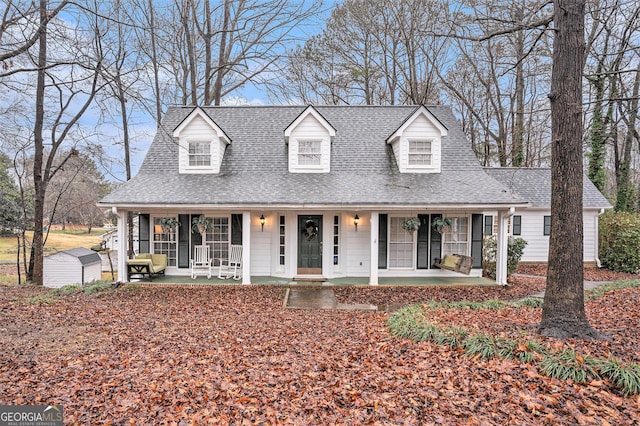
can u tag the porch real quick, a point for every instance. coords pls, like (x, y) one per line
(343, 281)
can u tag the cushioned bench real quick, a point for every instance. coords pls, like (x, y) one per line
(455, 262)
(147, 264)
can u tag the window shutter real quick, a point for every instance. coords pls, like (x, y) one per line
(143, 240)
(476, 240)
(423, 241)
(236, 229)
(382, 241)
(183, 240)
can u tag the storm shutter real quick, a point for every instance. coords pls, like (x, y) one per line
(143, 240)
(183, 240)
(382, 241)
(236, 229)
(423, 242)
(476, 240)
(436, 242)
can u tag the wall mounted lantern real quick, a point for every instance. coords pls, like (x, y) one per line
(262, 220)
(356, 220)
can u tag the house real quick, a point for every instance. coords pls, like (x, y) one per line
(75, 266)
(315, 192)
(534, 223)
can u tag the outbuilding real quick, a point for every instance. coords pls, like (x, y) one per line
(76, 266)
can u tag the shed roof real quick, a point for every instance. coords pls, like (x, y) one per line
(84, 255)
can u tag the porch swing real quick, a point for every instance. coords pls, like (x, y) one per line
(455, 262)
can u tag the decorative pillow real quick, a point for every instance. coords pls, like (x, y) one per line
(450, 261)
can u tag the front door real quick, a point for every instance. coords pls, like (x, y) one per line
(310, 245)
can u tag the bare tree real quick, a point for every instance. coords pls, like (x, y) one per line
(563, 313)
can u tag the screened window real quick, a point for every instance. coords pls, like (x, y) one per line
(165, 240)
(517, 225)
(420, 152)
(547, 225)
(456, 239)
(218, 239)
(309, 153)
(400, 244)
(199, 154)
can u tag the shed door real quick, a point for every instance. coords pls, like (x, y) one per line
(310, 245)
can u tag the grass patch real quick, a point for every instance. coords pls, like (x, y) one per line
(56, 294)
(56, 241)
(411, 323)
(612, 286)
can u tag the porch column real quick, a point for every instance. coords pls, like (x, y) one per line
(373, 273)
(122, 244)
(502, 245)
(246, 247)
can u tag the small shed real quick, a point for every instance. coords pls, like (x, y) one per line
(75, 266)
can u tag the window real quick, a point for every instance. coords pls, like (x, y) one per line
(456, 239)
(218, 239)
(309, 153)
(488, 225)
(419, 152)
(282, 244)
(400, 244)
(164, 240)
(516, 226)
(547, 225)
(199, 154)
(336, 240)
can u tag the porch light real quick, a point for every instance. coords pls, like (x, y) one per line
(262, 220)
(356, 220)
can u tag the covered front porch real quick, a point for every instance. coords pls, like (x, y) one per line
(333, 247)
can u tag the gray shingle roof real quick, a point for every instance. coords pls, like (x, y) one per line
(84, 255)
(363, 168)
(534, 185)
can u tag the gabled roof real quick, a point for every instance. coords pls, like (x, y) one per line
(421, 110)
(534, 185)
(84, 255)
(310, 110)
(254, 171)
(199, 112)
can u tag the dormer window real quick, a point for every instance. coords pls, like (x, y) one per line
(201, 143)
(309, 152)
(420, 152)
(417, 143)
(309, 138)
(199, 154)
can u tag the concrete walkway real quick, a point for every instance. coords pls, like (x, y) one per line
(319, 298)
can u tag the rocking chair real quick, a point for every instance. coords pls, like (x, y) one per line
(231, 267)
(201, 263)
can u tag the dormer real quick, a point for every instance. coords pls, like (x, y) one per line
(309, 138)
(201, 144)
(417, 143)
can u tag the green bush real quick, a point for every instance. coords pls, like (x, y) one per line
(515, 249)
(620, 241)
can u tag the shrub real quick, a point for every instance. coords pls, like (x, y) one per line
(515, 248)
(620, 241)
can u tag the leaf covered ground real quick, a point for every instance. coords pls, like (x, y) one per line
(234, 355)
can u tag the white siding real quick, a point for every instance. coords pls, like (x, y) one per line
(537, 249)
(62, 269)
(310, 129)
(420, 128)
(261, 246)
(199, 130)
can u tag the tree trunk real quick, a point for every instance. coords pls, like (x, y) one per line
(222, 54)
(36, 259)
(626, 196)
(563, 313)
